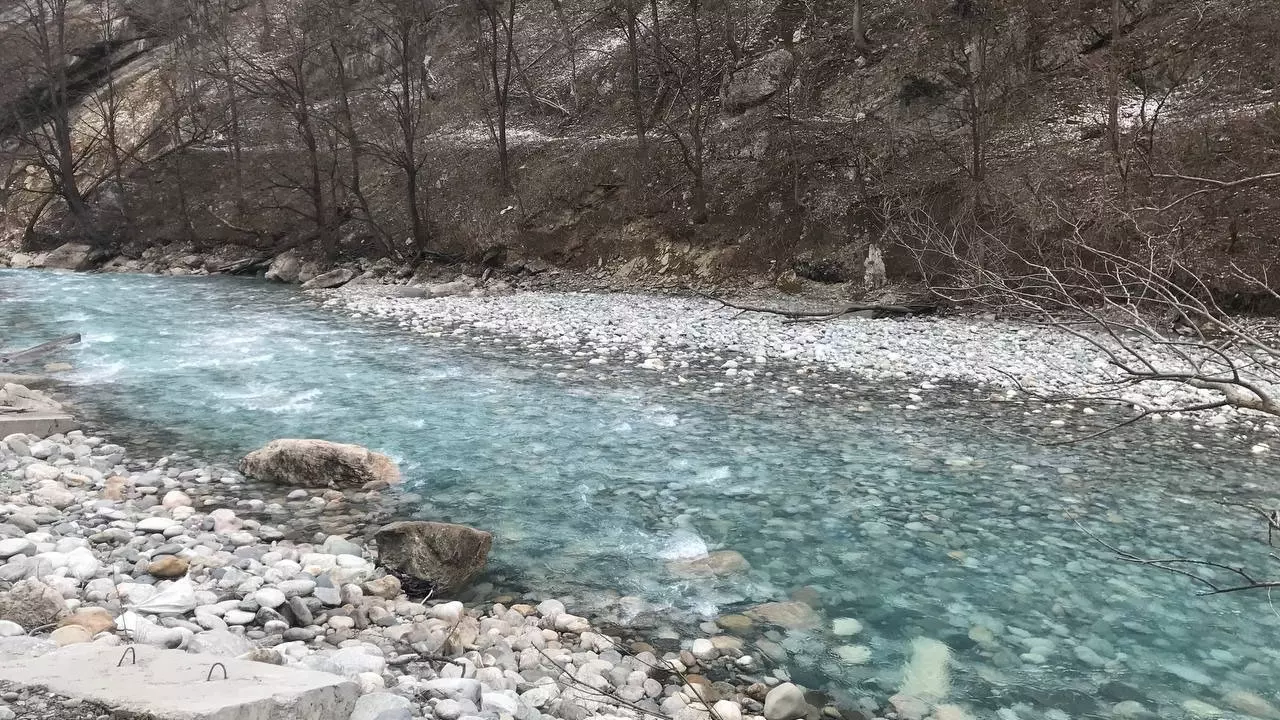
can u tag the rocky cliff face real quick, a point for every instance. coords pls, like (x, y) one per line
(704, 140)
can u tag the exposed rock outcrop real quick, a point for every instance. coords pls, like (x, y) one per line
(331, 279)
(318, 463)
(285, 267)
(70, 256)
(754, 84)
(443, 555)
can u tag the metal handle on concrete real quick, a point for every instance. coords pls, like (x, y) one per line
(209, 677)
(128, 652)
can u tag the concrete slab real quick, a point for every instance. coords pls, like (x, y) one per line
(35, 423)
(35, 382)
(171, 685)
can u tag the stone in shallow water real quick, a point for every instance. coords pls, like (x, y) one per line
(845, 627)
(1130, 710)
(1250, 704)
(318, 463)
(785, 702)
(716, 564)
(793, 615)
(1190, 674)
(1201, 710)
(854, 654)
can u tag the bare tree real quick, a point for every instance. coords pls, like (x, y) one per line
(694, 75)
(1153, 318)
(496, 56)
(397, 110)
(45, 36)
(858, 29)
(626, 14)
(283, 76)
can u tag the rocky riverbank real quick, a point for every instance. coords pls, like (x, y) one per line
(548, 310)
(672, 335)
(97, 546)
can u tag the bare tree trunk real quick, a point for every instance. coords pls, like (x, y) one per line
(1113, 87)
(859, 30)
(697, 120)
(501, 31)
(571, 48)
(631, 28)
(354, 148)
(315, 188)
(410, 110)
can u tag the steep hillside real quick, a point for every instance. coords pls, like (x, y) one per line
(704, 138)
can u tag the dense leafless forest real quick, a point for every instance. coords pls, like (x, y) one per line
(703, 137)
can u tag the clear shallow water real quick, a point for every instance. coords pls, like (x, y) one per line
(931, 522)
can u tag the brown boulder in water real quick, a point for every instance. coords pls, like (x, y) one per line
(318, 463)
(442, 557)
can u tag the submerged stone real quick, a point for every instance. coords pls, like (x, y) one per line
(793, 615)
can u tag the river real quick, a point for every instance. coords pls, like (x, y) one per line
(943, 522)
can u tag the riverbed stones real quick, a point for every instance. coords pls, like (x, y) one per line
(445, 556)
(115, 488)
(31, 603)
(156, 524)
(785, 702)
(457, 689)
(704, 649)
(168, 566)
(269, 597)
(16, 546)
(92, 619)
(386, 587)
(315, 463)
(382, 706)
(70, 635)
